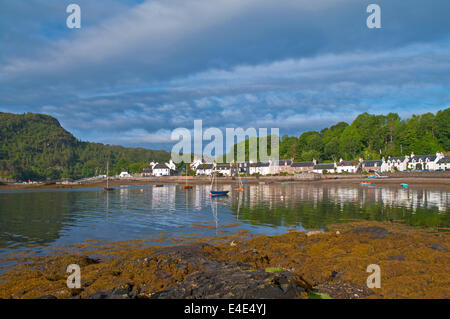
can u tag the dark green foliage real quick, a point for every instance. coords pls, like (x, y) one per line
(441, 128)
(372, 137)
(36, 147)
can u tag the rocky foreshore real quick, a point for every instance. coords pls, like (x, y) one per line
(414, 263)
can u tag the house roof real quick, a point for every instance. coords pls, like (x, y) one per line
(302, 164)
(224, 166)
(160, 166)
(147, 170)
(445, 159)
(417, 158)
(324, 166)
(283, 162)
(401, 159)
(261, 164)
(346, 163)
(205, 166)
(372, 163)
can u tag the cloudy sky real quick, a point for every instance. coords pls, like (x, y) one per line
(138, 69)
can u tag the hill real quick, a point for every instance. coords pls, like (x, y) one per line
(35, 146)
(370, 137)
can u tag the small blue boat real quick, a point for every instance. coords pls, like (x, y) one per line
(404, 185)
(218, 193)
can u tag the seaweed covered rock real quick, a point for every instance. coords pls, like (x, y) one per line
(233, 281)
(124, 291)
(374, 232)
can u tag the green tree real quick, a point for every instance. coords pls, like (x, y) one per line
(441, 128)
(350, 142)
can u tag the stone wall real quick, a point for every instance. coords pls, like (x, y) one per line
(443, 174)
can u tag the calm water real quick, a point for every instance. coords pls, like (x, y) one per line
(42, 219)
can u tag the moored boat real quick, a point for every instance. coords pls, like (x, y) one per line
(214, 193)
(367, 183)
(218, 193)
(107, 188)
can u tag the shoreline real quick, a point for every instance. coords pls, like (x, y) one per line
(413, 261)
(346, 180)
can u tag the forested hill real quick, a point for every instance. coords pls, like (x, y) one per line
(370, 137)
(35, 146)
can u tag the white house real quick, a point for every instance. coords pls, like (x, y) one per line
(325, 167)
(195, 163)
(260, 168)
(224, 169)
(166, 169)
(444, 163)
(205, 169)
(395, 163)
(124, 175)
(372, 166)
(422, 162)
(161, 170)
(346, 166)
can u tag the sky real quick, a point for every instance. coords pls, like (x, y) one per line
(136, 70)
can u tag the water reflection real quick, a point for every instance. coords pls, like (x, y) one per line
(318, 206)
(391, 196)
(45, 218)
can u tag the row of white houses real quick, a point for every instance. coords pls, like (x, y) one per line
(434, 162)
(275, 167)
(416, 162)
(405, 163)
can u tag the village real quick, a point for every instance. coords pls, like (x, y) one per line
(408, 163)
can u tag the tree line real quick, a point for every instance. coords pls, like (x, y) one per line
(370, 137)
(36, 147)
